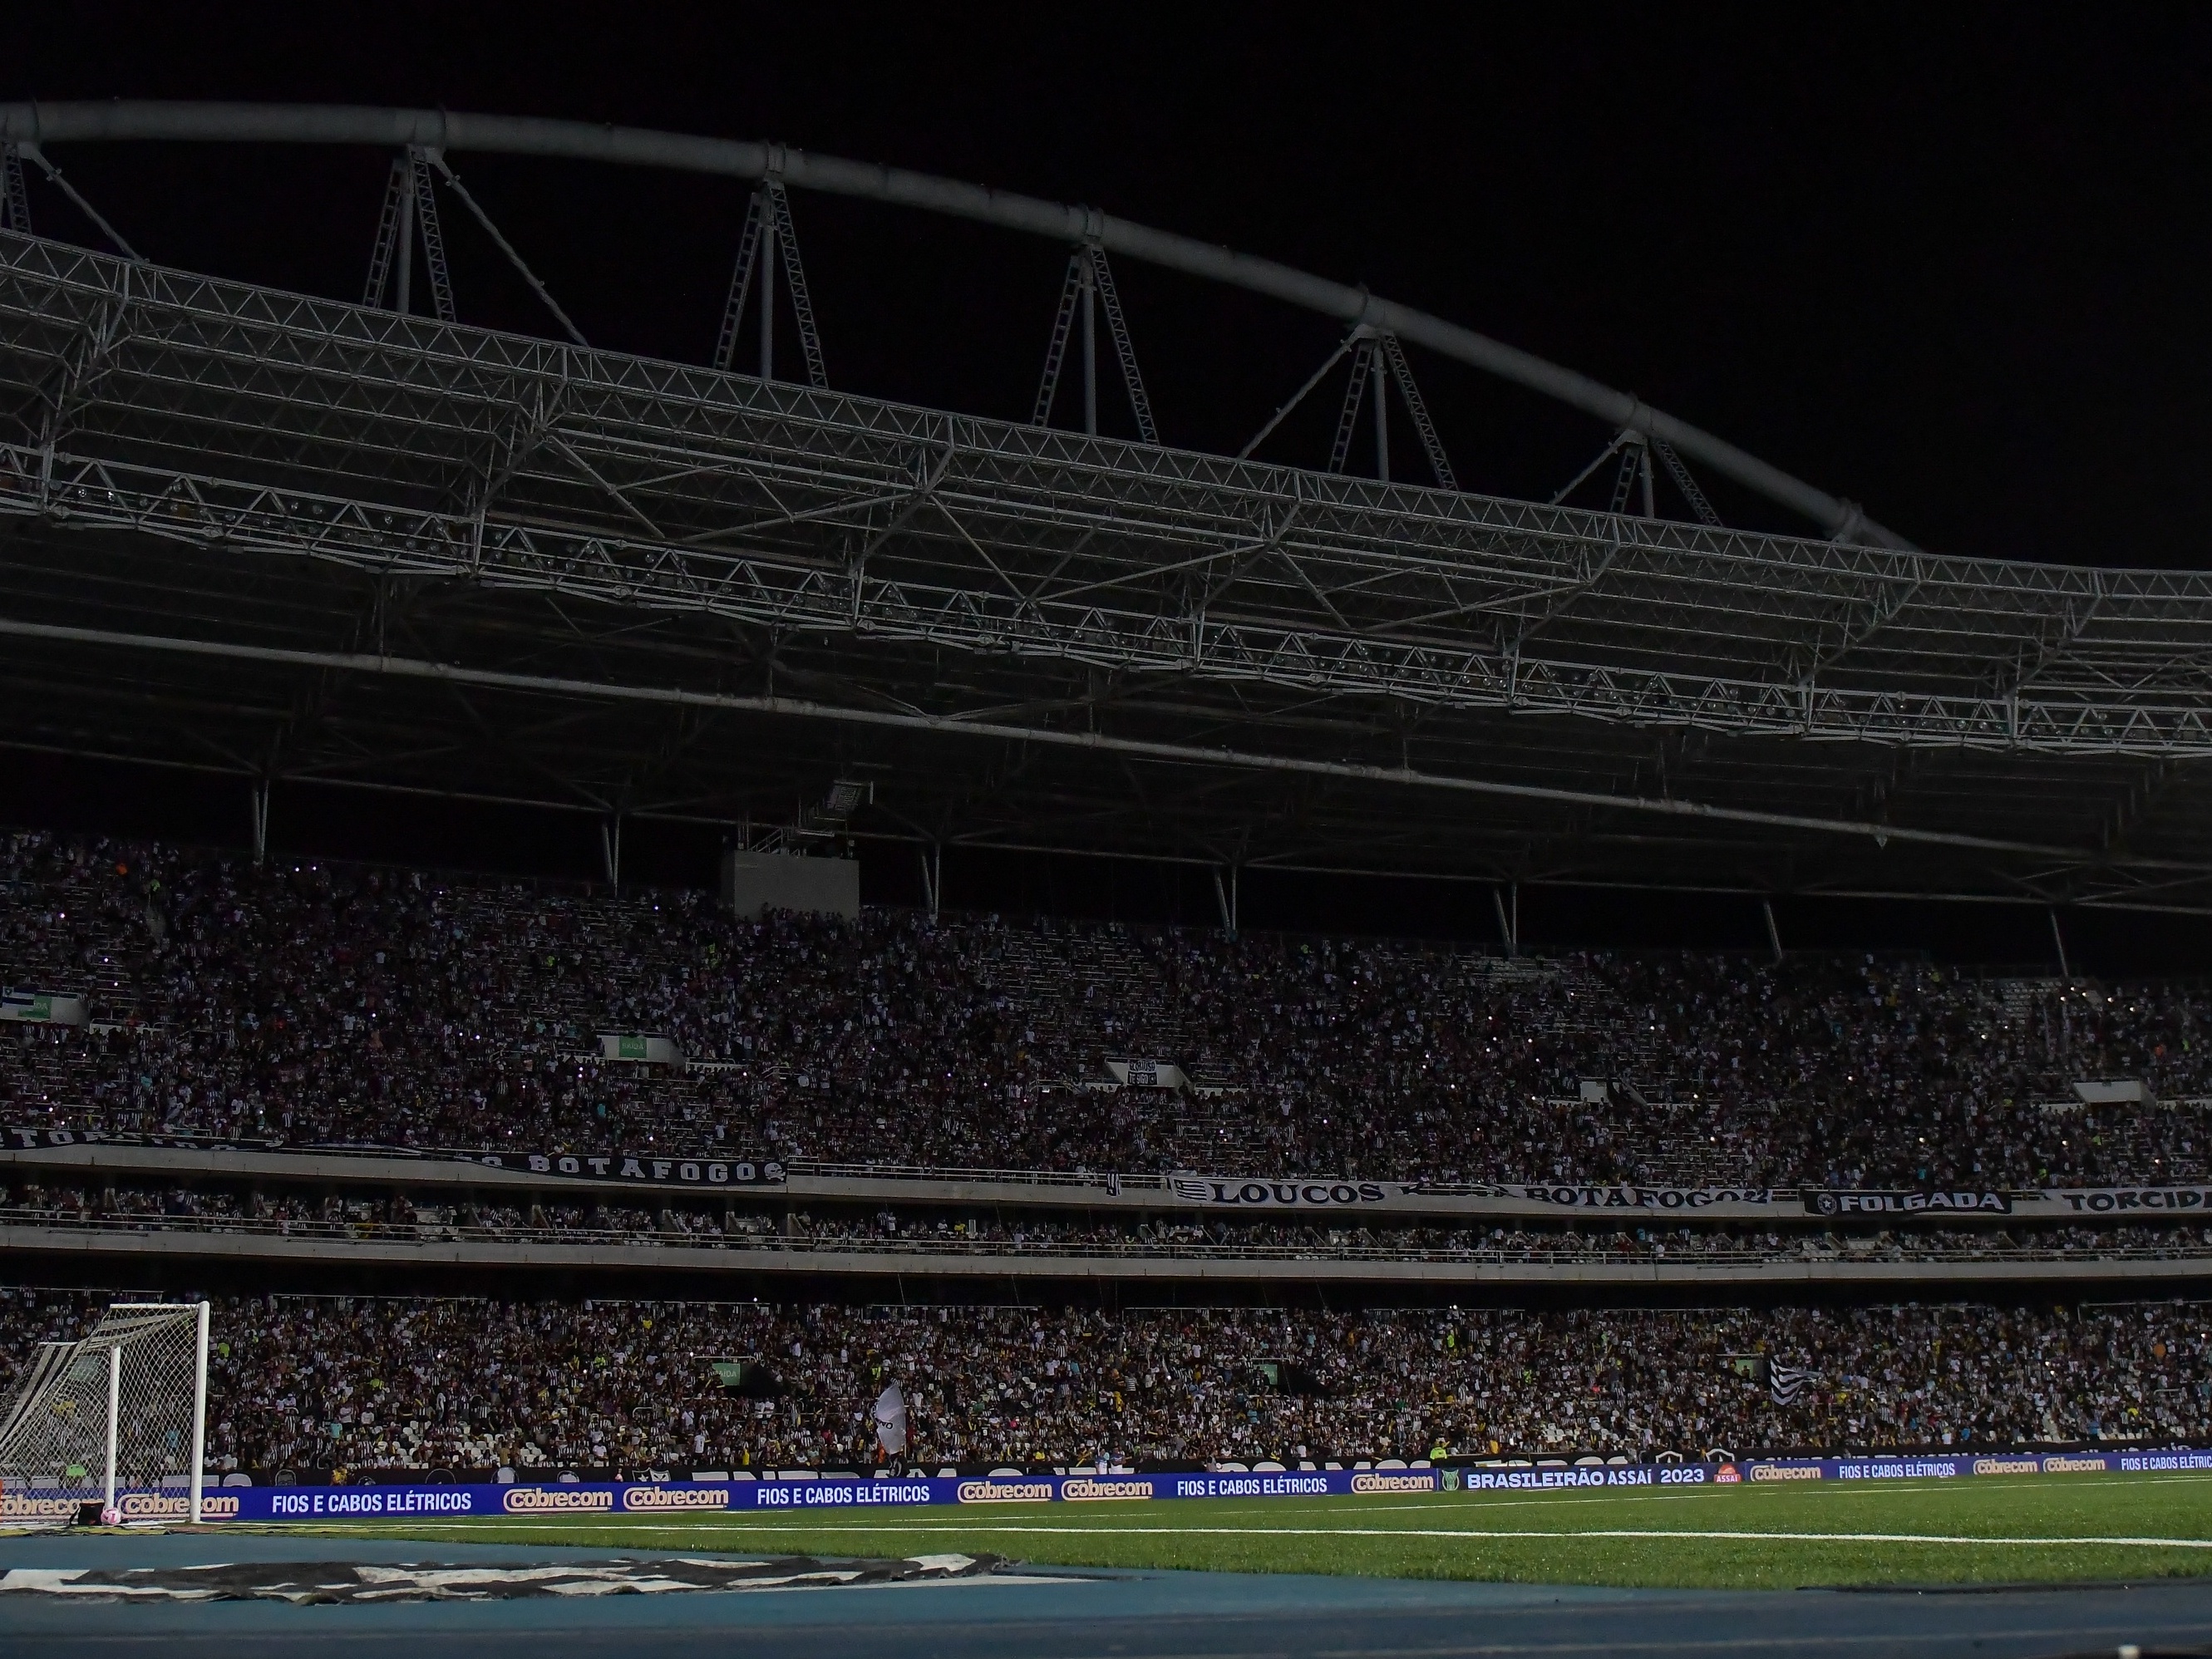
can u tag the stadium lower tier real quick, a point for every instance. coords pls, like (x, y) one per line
(306, 1383)
(193, 993)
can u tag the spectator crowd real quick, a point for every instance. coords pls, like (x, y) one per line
(317, 1382)
(320, 1004)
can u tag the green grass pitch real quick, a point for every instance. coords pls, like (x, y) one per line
(1987, 1529)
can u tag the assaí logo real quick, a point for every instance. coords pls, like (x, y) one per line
(1365, 1482)
(1727, 1475)
(676, 1498)
(539, 1500)
(1078, 1490)
(1004, 1492)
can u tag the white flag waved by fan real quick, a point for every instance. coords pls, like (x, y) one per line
(890, 1420)
(1785, 1384)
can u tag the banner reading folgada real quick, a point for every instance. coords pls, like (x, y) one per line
(1844, 1201)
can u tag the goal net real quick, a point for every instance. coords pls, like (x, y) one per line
(122, 1408)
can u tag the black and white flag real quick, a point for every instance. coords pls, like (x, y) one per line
(1784, 1384)
(890, 1414)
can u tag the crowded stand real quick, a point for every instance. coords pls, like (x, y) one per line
(173, 995)
(362, 1383)
(319, 1004)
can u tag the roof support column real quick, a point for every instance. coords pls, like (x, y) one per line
(15, 205)
(1382, 422)
(1089, 348)
(768, 299)
(405, 253)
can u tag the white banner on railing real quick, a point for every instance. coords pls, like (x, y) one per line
(653, 1050)
(1147, 1073)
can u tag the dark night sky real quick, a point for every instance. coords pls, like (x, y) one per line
(1947, 262)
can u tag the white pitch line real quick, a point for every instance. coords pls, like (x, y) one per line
(1789, 1537)
(1456, 1532)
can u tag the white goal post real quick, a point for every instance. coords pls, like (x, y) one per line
(127, 1401)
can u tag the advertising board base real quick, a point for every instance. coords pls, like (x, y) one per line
(671, 1498)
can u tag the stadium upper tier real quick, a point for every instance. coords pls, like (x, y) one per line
(319, 1004)
(392, 550)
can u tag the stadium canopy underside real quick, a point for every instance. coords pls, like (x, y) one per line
(290, 538)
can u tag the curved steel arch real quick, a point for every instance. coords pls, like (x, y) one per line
(34, 124)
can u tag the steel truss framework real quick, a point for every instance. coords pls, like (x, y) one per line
(285, 535)
(430, 133)
(437, 451)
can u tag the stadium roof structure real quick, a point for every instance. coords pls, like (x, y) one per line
(291, 538)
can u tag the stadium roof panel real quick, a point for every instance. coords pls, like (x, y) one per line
(238, 524)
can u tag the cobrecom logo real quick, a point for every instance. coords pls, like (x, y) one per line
(676, 1498)
(1076, 1490)
(176, 1506)
(1005, 1492)
(19, 1506)
(1365, 1483)
(539, 1500)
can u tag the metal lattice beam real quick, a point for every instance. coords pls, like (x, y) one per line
(398, 203)
(1347, 414)
(1063, 325)
(1110, 299)
(1432, 445)
(802, 303)
(434, 239)
(247, 530)
(664, 486)
(1685, 482)
(15, 202)
(741, 282)
(448, 132)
